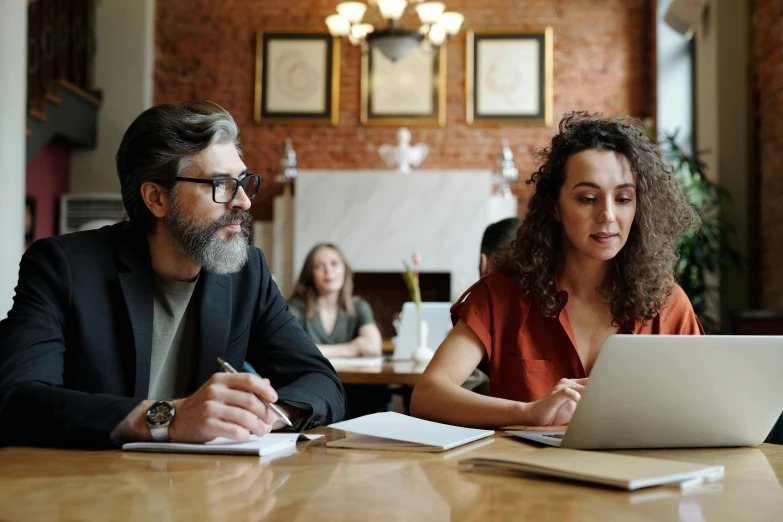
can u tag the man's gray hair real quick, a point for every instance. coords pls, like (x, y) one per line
(161, 144)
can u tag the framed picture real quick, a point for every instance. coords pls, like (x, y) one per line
(410, 91)
(509, 77)
(297, 77)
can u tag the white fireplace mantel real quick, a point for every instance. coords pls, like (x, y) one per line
(380, 217)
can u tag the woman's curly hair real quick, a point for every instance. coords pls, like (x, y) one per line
(642, 271)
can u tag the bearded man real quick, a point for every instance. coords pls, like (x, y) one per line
(114, 333)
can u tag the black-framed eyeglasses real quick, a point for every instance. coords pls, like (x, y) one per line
(224, 190)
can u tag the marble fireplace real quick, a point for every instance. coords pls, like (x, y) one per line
(380, 217)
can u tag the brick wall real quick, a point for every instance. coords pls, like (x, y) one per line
(768, 60)
(602, 58)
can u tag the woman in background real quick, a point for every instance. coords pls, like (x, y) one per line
(340, 324)
(594, 257)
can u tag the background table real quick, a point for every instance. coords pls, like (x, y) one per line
(317, 483)
(389, 373)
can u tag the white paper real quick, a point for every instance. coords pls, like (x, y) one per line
(391, 425)
(268, 444)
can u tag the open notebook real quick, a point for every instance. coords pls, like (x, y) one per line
(608, 469)
(394, 431)
(266, 445)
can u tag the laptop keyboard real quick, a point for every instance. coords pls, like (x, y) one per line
(554, 436)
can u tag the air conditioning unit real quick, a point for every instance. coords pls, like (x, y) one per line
(89, 211)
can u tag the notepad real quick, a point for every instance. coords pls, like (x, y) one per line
(266, 445)
(394, 431)
(608, 469)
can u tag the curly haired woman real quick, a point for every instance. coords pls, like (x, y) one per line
(593, 257)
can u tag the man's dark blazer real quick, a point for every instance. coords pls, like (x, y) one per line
(75, 349)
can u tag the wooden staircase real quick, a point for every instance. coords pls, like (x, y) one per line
(60, 105)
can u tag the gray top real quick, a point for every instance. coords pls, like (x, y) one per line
(174, 324)
(346, 328)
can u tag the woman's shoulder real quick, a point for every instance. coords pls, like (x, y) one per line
(497, 288)
(358, 301)
(678, 300)
(363, 311)
(677, 317)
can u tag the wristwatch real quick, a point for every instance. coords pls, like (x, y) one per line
(158, 417)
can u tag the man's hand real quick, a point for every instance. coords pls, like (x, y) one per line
(556, 407)
(227, 405)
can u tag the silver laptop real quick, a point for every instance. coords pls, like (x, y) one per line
(669, 391)
(438, 319)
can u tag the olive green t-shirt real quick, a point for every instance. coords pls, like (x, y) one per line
(346, 327)
(174, 334)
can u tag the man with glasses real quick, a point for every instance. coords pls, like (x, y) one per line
(115, 333)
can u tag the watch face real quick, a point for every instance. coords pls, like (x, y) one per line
(160, 413)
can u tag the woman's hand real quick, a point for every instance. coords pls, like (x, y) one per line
(556, 407)
(365, 347)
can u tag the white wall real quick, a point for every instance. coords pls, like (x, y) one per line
(124, 61)
(723, 125)
(13, 108)
(674, 86)
(379, 218)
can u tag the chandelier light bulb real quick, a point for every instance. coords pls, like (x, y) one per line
(451, 22)
(338, 25)
(352, 11)
(392, 9)
(430, 12)
(437, 34)
(360, 31)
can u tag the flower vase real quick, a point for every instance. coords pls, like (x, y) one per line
(423, 353)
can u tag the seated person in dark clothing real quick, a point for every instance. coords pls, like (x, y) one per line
(496, 238)
(340, 324)
(114, 333)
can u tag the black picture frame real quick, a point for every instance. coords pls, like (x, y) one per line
(297, 77)
(494, 62)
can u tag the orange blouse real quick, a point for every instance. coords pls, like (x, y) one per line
(527, 353)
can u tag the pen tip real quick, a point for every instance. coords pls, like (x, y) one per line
(220, 360)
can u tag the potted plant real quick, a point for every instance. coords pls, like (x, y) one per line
(423, 353)
(703, 249)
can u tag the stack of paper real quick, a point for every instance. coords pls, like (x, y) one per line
(268, 444)
(393, 431)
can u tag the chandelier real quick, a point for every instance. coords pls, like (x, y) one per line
(436, 27)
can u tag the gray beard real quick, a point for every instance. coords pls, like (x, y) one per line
(202, 244)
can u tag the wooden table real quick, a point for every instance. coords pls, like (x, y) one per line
(316, 483)
(389, 373)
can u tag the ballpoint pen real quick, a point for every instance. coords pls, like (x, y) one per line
(280, 413)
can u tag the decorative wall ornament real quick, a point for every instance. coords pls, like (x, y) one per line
(505, 171)
(404, 155)
(288, 171)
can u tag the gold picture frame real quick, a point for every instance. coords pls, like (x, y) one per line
(392, 93)
(497, 64)
(297, 77)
